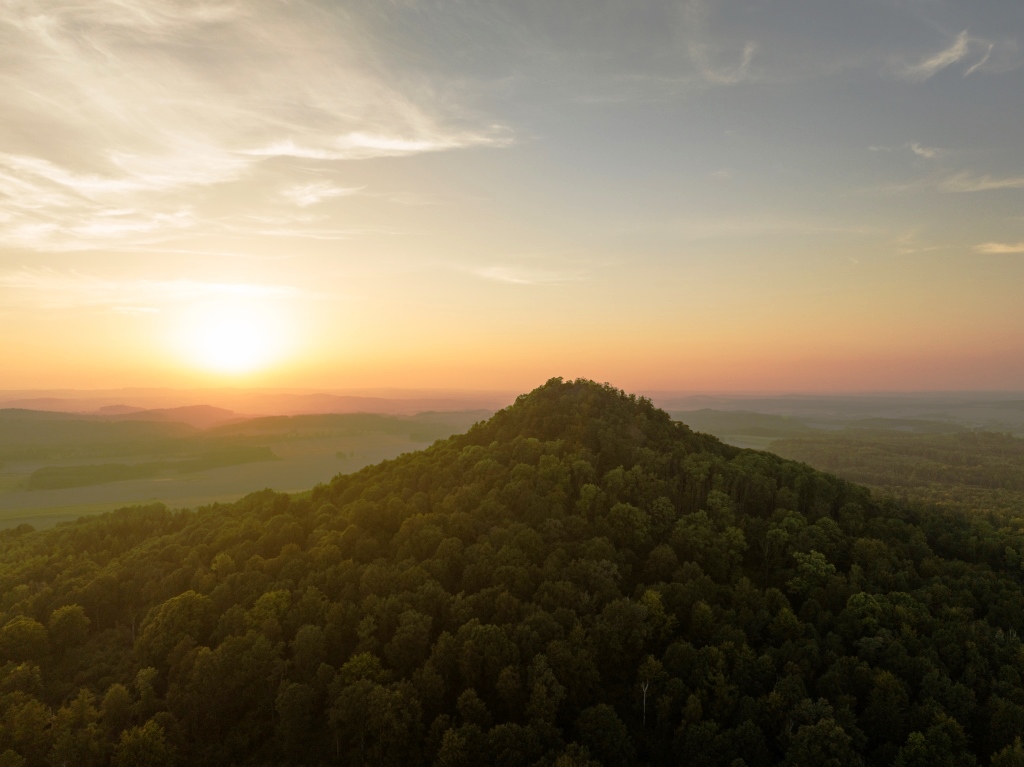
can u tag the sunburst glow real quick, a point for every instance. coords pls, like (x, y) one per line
(233, 338)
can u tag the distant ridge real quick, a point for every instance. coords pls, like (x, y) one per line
(118, 410)
(256, 402)
(197, 416)
(200, 416)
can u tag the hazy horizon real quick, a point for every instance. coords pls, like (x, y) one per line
(255, 401)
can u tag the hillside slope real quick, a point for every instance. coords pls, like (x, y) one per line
(579, 580)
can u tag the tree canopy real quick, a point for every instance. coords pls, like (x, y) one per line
(579, 580)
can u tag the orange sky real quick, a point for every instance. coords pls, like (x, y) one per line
(684, 197)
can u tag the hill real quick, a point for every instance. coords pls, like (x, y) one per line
(38, 433)
(578, 580)
(199, 416)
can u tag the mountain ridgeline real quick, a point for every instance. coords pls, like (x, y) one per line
(577, 581)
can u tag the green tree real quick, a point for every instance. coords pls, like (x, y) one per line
(472, 710)
(575, 755)
(116, 710)
(26, 727)
(186, 615)
(410, 644)
(454, 750)
(349, 719)
(394, 725)
(297, 708)
(628, 526)
(23, 639)
(824, 744)
(144, 746)
(605, 736)
(309, 650)
(546, 692)
(76, 734)
(1010, 756)
(11, 758)
(145, 683)
(941, 745)
(68, 627)
(813, 571)
(513, 745)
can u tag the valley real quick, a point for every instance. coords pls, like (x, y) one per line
(186, 466)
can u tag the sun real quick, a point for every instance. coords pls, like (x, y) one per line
(233, 338)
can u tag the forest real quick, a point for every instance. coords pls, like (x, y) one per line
(975, 470)
(577, 581)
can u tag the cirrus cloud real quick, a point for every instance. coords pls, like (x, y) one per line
(50, 288)
(526, 275)
(967, 182)
(1000, 247)
(121, 117)
(963, 48)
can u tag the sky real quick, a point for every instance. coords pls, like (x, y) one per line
(696, 196)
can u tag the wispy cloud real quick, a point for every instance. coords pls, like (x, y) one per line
(712, 61)
(132, 113)
(49, 288)
(935, 63)
(360, 146)
(910, 243)
(927, 152)
(315, 192)
(135, 310)
(1000, 247)
(724, 75)
(963, 47)
(526, 275)
(765, 225)
(982, 61)
(966, 182)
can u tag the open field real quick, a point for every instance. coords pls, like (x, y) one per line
(307, 450)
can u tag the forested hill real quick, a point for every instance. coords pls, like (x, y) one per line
(578, 581)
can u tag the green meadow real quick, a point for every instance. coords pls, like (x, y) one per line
(58, 467)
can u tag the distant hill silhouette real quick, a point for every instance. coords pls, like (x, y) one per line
(117, 410)
(254, 402)
(199, 416)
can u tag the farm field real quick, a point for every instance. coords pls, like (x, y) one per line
(306, 450)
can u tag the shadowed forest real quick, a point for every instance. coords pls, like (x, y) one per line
(578, 580)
